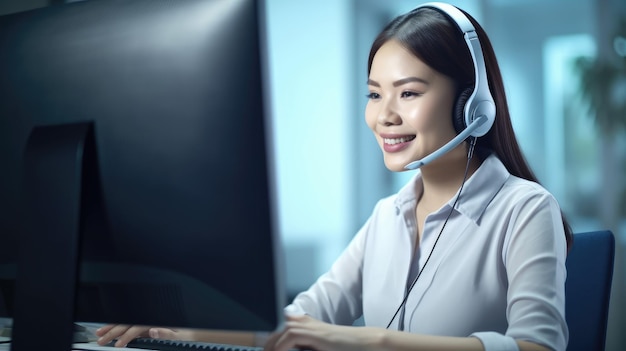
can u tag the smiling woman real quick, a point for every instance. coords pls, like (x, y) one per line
(470, 253)
(472, 244)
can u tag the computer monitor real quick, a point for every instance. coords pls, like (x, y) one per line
(136, 168)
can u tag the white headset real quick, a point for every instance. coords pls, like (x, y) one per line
(477, 105)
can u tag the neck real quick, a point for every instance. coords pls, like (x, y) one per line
(443, 178)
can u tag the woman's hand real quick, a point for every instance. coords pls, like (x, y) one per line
(304, 332)
(125, 333)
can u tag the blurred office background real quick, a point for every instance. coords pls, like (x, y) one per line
(330, 171)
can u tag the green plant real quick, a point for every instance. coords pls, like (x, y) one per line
(603, 85)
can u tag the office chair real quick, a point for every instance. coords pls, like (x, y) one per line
(588, 288)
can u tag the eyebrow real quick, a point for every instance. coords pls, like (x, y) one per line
(399, 82)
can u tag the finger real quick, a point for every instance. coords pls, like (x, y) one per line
(270, 343)
(130, 334)
(111, 332)
(297, 335)
(103, 330)
(296, 338)
(164, 333)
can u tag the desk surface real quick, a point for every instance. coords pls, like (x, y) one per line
(95, 347)
(82, 346)
(89, 335)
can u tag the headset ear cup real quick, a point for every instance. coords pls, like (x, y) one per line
(458, 118)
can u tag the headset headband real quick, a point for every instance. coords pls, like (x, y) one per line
(480, 103)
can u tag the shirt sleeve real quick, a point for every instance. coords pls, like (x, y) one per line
(336, 297)
(496, 342)
(534, 255)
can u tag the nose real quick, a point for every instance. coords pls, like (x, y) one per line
(388, 113)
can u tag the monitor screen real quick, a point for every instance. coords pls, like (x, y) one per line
(153, 114)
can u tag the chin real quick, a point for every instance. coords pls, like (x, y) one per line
(395, 166)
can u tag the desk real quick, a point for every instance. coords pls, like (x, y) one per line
(92, 346)
(82, 346)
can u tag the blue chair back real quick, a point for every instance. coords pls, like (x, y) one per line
(588, 289)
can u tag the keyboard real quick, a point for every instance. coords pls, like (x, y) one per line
(171, 345)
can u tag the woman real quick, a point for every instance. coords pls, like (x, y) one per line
(470, 254)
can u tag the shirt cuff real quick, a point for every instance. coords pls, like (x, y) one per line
(493, 341)
(293, 310)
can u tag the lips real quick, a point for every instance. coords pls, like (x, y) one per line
(393, 141)
(396, 143)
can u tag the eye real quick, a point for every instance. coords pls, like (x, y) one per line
(409, 94)
(373, 96)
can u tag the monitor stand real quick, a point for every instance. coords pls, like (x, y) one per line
(59, 170)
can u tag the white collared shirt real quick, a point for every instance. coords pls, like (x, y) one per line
(497, 272)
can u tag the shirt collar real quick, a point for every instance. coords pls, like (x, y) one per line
(477, 193)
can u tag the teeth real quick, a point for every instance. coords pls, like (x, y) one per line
(398, 140)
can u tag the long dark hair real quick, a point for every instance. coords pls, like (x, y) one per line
(436, 41)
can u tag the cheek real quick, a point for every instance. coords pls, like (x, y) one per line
(418, 118)
(428, 117)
